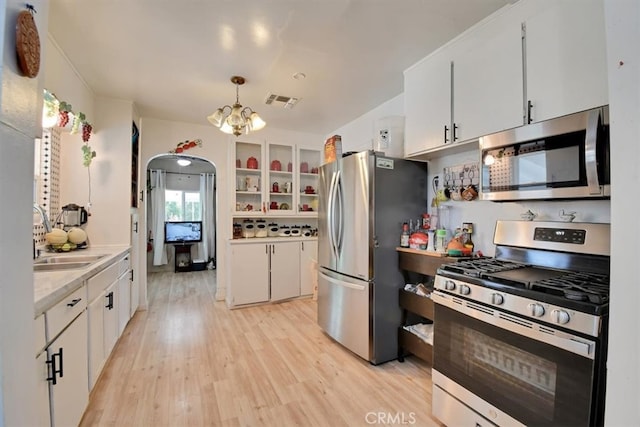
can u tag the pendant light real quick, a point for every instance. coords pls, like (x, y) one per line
(235, 119)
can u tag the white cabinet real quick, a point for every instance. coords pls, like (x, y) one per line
(249, 273)
(528, 62)
(267, 271)
(67, 359)
(285, 270)
(110, 318)
(427, 103)
(95, 315)
(566, 63)
(308, 266)
(488, 78)
(274, 179)
(124, 301)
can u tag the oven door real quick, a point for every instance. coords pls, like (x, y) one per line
(530, 372)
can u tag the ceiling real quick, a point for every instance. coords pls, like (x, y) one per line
(174, 59)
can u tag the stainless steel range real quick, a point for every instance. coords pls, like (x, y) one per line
(521, 339)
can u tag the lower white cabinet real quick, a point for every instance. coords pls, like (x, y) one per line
(285, 270)
(68, 373)
(110, 325)
(308, 266)
(124, 301)
(263, 271)
(249, 273)
(95, 313)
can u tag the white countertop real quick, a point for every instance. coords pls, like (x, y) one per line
(50, 287)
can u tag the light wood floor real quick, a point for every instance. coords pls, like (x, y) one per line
(190, 361)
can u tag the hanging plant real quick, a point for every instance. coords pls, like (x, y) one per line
(185, 145)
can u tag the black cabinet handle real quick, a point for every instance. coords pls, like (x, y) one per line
(135, 227)
(142, 195)
(74, 302)
(446, 129)
(131, 272)
(52, 367)
(109, 301)
(529, 107)
(455, 137)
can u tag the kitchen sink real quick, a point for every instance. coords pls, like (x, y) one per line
(65, 262)
(69, 259)
(60, 266)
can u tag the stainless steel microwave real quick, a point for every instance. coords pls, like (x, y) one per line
(562, 158)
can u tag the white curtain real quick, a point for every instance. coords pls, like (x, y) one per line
(158, 179)
(207, 248)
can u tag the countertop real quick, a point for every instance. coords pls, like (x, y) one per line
(52, 286)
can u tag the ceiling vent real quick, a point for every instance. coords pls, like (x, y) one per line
(285, 101)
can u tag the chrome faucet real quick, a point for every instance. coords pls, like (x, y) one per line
(43, 216)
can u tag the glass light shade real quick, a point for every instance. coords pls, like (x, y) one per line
(256, 121)
(235, 118)
(226, 127)
(184, 162)
(216, 118)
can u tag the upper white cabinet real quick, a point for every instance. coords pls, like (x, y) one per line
(274, 179)
(488, 79)
(566, 64)
(427, 103)
(528, 62)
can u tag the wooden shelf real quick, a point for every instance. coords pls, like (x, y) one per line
(408, 342)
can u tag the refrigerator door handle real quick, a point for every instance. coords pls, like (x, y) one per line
(340, 204)
(331, 215)
(342, 283)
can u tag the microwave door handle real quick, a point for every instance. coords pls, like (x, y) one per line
(590, 157)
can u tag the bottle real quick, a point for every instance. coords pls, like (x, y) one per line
(404, 236)
(441, 240)
(469, 243)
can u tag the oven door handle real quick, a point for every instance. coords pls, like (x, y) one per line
(517, 325)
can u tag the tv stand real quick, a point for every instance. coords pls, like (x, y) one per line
(182, 257)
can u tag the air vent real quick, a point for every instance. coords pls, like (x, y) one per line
(285, 101)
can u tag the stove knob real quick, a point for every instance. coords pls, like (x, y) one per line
(497, 299)
(449, 285)
(536, 310)
(465, 290)
(560, 316)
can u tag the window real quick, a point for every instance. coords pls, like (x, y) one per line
(182, 206)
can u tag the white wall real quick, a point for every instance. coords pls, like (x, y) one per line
(20, 112)
(158, 137)
(623, 383)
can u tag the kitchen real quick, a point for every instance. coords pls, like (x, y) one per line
(622, 77)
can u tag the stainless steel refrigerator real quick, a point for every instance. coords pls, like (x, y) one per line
(363, 200)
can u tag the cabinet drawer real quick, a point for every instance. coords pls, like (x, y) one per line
(99, 282)
(61, 314)
(415, 303)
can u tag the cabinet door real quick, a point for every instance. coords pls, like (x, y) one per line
(427, 103)
(285, 270)
(70, 394)
(42, 390)
(280, 173)
(308, 266)
(249, 273)
(124, 301)
(110, 310)
(135, 295)
(249, 179)
(488, 78)
(95, 313)
(566, 58)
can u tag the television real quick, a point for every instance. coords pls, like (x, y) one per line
(182, 231)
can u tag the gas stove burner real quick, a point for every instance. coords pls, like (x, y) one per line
(481, 266)
(577, 287)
